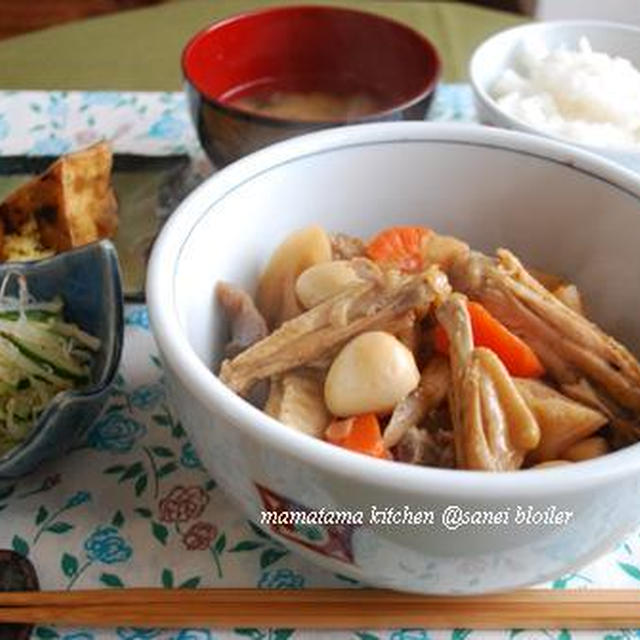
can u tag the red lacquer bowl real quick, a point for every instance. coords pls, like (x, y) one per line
(302, 49)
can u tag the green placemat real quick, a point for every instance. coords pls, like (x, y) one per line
(140, 50)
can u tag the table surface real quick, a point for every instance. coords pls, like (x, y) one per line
(140, 50)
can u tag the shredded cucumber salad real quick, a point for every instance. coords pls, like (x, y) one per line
(40, 356)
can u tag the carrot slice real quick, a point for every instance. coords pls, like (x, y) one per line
(401, 247)
(516, 355)
(360, 433)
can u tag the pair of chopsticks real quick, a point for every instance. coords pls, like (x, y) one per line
(323, 609)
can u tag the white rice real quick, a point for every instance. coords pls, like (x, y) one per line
(582, 95)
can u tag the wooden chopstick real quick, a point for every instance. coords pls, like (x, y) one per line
(324, 609)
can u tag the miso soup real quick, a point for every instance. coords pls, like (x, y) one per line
(312, 105)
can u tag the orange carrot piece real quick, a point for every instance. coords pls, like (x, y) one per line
(361, 433)
(516, 355)
(401, 247)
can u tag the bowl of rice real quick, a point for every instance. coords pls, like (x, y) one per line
(577, 81)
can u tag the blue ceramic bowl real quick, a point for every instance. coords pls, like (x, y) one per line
(88, 280)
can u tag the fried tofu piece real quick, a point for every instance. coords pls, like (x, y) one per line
(72, 203)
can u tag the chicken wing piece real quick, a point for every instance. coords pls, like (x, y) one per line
(383, 301)
(493, 427)
(346, 247)
(571, 347)
(247, 325)
(419, 446)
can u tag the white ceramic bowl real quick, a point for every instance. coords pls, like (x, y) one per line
(559, 208)
(500, 52)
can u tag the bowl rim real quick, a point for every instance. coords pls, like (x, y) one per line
(106, 249)
(196, 39)
(489, 103)
(196, 376)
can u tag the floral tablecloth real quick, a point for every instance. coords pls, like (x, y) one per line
(131, 505)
